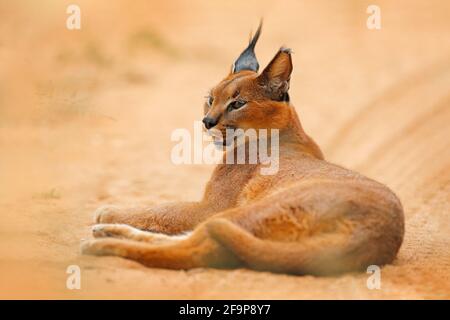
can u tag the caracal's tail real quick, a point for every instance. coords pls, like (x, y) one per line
(321, 254)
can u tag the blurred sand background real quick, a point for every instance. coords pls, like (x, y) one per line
(86, 118)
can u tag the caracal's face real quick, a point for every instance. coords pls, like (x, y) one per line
(240, 102)
(230, 104)
(246, 99)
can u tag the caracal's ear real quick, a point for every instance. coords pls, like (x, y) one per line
(247, 59)
(275, 77)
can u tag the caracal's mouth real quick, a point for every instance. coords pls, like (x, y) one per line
(223, 137)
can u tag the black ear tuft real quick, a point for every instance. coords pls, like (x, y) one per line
(247, 59)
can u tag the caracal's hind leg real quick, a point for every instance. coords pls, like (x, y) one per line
(203, 248)
(195, 251)
(123, 231)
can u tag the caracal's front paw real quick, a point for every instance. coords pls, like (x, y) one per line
(121, 231)
(106, 214)
(124, 231)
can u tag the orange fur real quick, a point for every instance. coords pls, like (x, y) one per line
(311, 217)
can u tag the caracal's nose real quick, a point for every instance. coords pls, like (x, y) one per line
(209, 122)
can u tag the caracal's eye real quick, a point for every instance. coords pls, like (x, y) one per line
(236, 104)
(210, 100)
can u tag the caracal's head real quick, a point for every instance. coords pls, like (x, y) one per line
(246, 99)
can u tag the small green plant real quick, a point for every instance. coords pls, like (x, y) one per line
(147, 38)
(52, 194)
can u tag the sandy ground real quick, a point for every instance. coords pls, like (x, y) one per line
(86, 118)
